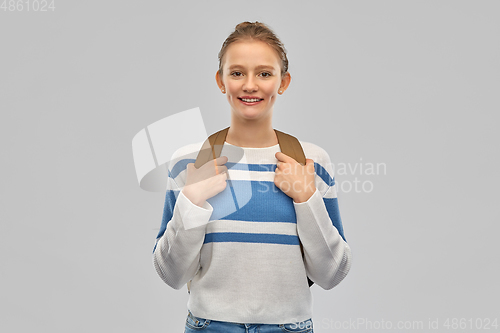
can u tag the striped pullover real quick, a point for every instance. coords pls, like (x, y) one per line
(241, 249)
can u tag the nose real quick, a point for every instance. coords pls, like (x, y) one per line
(250, 84)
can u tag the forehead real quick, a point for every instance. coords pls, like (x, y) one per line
(251, 53)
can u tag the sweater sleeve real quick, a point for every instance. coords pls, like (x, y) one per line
(176, 254)
(327, 256)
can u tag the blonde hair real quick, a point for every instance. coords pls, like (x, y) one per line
(248, 31)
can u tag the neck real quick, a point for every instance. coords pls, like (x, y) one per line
(251, 134)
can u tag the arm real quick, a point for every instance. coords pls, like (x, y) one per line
(327, 256)
(176, 255)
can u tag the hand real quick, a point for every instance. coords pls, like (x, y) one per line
(294, 179)
(205, 182)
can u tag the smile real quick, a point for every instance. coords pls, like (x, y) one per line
(250, 101)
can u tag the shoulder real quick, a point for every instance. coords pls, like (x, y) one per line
(185, 154)
(315, 152)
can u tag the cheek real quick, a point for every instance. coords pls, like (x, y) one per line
(232, 92)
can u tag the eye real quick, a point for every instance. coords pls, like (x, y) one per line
(235, 73)
(268, 74)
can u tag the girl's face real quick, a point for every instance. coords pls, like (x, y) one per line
(252, 79)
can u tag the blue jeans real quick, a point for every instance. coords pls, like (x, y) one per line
(197, 324)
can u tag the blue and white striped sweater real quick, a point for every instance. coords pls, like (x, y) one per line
(243, 253)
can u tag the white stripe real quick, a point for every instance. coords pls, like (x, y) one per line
(282, 228)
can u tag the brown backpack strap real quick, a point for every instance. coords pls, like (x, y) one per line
(290, 145)
(212, 147)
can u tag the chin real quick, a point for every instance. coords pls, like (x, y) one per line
(246, 115)
(249, 114)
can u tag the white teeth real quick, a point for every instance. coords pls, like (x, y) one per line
(250, 100)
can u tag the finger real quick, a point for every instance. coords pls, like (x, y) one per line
(222, 169)
(221, 160)
(191, 167)
(224, 175)
(284, 158)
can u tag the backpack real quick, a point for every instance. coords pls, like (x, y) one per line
(212, 147)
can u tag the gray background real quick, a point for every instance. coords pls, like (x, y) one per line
(411, 84)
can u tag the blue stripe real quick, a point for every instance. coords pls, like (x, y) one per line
(252, 167)
(243, 237)
(323, 174)
(258, 201)
(332, 206)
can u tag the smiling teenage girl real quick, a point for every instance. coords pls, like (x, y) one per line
(247, 271)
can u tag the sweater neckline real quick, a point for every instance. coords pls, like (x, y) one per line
(254, 148)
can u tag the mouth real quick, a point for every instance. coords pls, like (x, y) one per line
(250, 101)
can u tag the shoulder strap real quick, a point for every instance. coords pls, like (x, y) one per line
(212, 148)
(290, 145)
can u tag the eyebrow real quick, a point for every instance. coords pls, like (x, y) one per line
(258, 67)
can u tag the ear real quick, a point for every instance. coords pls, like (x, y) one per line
(218, 79)
(285, 81)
